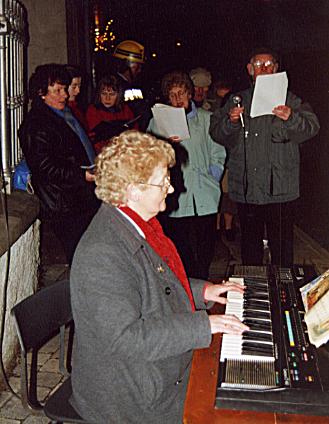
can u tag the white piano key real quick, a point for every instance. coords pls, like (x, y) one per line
(233, 296)
(232, 345)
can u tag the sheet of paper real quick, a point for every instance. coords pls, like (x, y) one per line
(315, 297)
(170, 121)
(270, 91)
(313, 290)
(317, 321)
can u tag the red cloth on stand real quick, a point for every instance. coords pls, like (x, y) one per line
(163, 246)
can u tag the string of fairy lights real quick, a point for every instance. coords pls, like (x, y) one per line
(103, 40)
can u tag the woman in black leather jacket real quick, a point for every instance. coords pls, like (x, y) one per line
(58, 153)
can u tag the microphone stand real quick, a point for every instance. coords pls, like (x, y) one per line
(237, 101)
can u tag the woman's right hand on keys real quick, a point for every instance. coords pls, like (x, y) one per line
(226, 324)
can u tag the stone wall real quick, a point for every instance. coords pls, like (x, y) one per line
(47, 31)
(22, 236)
(22, 282)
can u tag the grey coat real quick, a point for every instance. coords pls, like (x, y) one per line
(267, 164)
(135, 330)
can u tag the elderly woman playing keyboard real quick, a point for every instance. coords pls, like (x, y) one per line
(137, 315)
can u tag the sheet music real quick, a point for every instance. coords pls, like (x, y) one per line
(315, 297)
(270, 92)
(170, 121)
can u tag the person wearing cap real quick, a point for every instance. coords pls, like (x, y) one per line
(201, 79)
(264, 164)
(130, 57)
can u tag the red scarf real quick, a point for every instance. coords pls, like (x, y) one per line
(163, 246)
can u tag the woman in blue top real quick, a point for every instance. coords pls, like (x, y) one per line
(192, 209)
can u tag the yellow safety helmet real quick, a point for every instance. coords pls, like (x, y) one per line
(130, 50)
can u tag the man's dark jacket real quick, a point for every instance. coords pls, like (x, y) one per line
(264, 167)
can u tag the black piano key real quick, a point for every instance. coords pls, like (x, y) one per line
(255, 309)
(262, 306)
(253, 283)
(255, 321)
(253, 335)
(258, 325)
(251, 304)
(260, 328)
(254, 290)
(256, 352)
(257, 287)
(255, 301)
(257, 346)
(249, 313)
(256, 296)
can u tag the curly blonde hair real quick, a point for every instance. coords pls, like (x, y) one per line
(130, 158)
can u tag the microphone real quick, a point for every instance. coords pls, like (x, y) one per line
(237, 101)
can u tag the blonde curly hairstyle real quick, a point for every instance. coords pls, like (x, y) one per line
(130, 158)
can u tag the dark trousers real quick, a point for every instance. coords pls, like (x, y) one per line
(194, 238)
(278, 218)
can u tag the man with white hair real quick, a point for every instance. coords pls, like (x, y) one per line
(264, 163)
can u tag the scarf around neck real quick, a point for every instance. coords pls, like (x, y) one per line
(74, 124)
(163, 246)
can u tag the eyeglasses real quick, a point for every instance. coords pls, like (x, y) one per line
(164, 187)
(109, 93)
(178, 95)
(266, 64)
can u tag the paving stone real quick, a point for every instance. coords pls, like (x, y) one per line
(43, 393)
(53, 390)
(51, 346)
(49, 379)
(33, 419)
(55, 355)
(43, 356)
(52, 365)
(4, 396)
(8, 421)
(13, 409)
(15, 383)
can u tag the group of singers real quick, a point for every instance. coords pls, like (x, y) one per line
(138, 314)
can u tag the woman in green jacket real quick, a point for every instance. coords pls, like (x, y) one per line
(192, 209)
